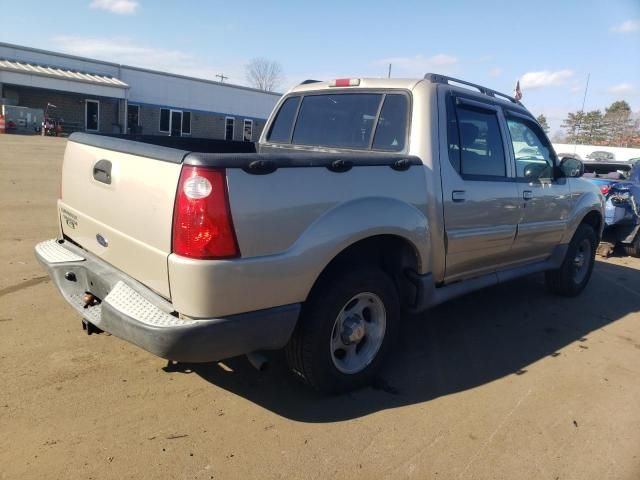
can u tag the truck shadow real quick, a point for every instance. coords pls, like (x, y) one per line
(457, 346)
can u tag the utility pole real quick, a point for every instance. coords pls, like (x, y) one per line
(222, 77)
(389, 72)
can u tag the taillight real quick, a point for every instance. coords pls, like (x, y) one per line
(202, 226)
(605, 189)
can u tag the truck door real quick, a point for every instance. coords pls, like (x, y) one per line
(480, 195)
(545, 201)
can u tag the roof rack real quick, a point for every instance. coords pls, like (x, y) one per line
(308, 81)
(437, 78)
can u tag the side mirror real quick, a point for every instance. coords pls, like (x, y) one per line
(571, 167)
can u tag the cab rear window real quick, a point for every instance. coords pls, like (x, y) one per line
(361, 121)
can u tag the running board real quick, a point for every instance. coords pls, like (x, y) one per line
(428, 295)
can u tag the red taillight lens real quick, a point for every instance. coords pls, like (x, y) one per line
(605, 189)
(202, 226)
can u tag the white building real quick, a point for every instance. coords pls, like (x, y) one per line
(96, 96)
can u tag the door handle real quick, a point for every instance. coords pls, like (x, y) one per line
(458, 195)
(102, 171)
(527, 194)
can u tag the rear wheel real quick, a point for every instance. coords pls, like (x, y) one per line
(346, 329)
(574, 273)
(633, 249)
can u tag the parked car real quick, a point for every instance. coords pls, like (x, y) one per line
(605, 174)
(365, 198)
(622, 212)
(600, 155)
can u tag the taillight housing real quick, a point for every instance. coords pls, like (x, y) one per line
(202, 225)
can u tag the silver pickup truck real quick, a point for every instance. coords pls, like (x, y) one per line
(364, 199)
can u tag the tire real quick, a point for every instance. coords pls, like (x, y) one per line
(317, 352)
(573, 275)
(633, 249)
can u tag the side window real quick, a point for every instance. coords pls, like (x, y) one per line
(392, 124)
(281, 127)
(532, 151)
(475, 147)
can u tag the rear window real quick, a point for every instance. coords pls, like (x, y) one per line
(281, 128)
(344, 120)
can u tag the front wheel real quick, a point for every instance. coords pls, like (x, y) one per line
(346, 329)
(574, 273)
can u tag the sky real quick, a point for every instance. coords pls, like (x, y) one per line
(550, 46)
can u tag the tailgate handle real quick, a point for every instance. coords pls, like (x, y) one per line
(102, 171)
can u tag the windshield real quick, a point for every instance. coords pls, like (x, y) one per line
(364, 121)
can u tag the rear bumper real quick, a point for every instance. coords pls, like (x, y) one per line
(136, 314)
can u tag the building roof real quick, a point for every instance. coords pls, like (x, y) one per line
(121, 66)
(61, 73)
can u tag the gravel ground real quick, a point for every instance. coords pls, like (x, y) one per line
(505, 383)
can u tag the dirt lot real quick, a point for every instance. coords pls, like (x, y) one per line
(506, 383)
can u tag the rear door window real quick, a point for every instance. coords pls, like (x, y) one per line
(476, 150)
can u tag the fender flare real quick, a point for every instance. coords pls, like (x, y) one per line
(361, 219)
(588, 202)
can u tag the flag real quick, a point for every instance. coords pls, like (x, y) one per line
(517, 93)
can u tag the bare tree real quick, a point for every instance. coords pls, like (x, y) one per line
(264, 74)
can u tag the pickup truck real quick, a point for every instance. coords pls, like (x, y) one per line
(363, 200)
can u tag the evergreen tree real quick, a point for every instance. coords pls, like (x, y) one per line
(542, 120)
(618, 123)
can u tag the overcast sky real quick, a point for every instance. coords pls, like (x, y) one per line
(549, 45)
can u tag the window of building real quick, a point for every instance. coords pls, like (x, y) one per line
(165, 120)
(247, 134)
(186, 123)
(475, 142)
(229, 127)
(92, 115)
(531, 149)
(133, 118)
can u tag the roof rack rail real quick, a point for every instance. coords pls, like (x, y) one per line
(437, 78)
(308, 81)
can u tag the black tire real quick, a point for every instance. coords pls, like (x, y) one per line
(633, 249)
(309, 352)
(564, 280)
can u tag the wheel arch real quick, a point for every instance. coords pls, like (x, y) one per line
(394, 254)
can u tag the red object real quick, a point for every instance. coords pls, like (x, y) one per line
(202, 225)
(605, 189)
(2, 124)
(342, 82)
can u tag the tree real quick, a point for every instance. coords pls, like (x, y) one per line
(592, 130)
(264, 74)
(618, 123)
(617, 127)
(542, 120)
(571, 124)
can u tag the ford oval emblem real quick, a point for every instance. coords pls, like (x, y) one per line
(102, 241)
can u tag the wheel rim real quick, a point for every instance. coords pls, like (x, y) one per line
(358, 332)
(581, 261)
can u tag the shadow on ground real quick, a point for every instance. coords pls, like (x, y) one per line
(457, 346)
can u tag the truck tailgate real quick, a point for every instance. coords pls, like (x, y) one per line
(123, 216)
